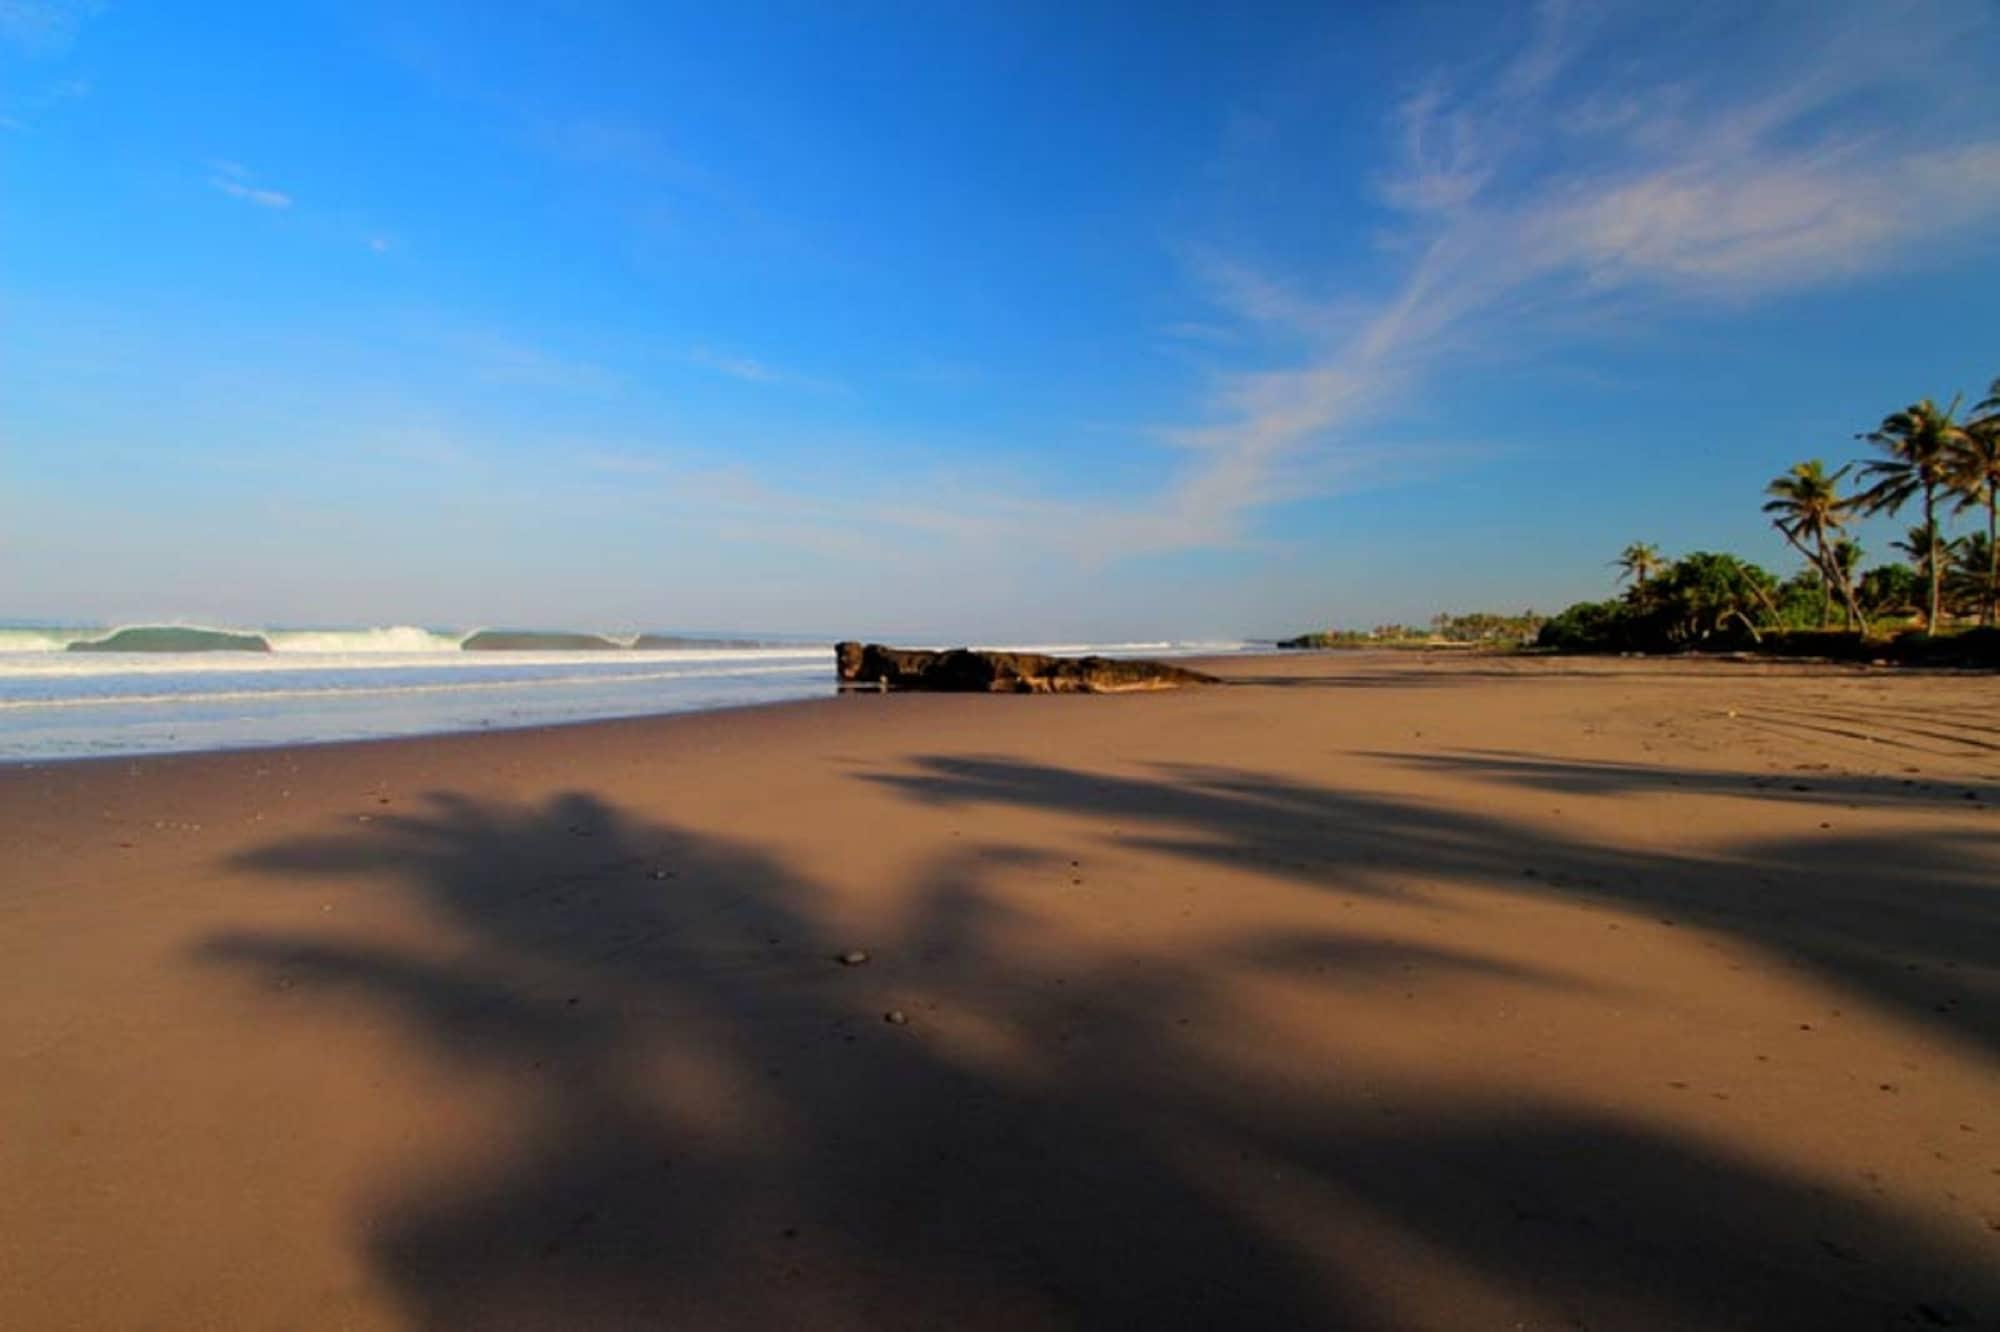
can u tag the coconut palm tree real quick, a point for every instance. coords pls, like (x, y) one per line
(1930, 554)
(1807, 508)
(1638, 562)
(1968, 574)
(1847, 554)
(1975, 476)
(1920, 441)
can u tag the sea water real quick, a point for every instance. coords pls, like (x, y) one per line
(57, 702)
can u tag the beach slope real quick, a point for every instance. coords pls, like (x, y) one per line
(1365, 991)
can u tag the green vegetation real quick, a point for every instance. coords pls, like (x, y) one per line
(1701, 600)
(1922, 445)
(1639, 562)
(1807, 510)
(1711, 601)
(1482, 629)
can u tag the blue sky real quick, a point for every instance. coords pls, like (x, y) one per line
(1024, 320)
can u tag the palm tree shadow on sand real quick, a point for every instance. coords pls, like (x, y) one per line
(711, 1125)
(1909, 922)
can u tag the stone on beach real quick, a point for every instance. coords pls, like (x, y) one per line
(965, 670)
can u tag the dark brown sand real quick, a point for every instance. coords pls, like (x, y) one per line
(1391, 992)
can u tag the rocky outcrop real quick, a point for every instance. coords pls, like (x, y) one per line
(962, 670)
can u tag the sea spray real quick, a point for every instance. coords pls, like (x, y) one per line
(399, 638)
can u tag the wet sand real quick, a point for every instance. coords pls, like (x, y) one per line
(1370, 991)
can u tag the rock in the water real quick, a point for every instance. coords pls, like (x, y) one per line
(963, 670)
(853, 958)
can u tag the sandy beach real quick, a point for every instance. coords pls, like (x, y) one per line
(1368, 991)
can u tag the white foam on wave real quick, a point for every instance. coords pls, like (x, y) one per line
(42, 640)
(332, 692)
(380, 682)
(44, 665)
(399, 638)
(57, 638)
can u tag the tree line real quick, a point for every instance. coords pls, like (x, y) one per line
(1472, 629)
(1923, 454)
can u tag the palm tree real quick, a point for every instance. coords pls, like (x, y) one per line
(1975, 475)
(1638, 562)
(1921, 441)
(1807, 508)
(1847, 554)
(1967, 579)
(1930, 554)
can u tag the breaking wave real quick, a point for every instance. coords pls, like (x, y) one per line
(394, 638)
(399, 639)
(173, 640)
(160, 688)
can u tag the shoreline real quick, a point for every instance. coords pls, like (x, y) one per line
(1360, 993)
(583, 724)
(1206, 663)
(1225, 666)
(187, 717)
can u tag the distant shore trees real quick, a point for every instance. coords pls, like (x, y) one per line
(1638, 562)
(1807, 510)
(1974, 477)
(1922, 444)
(1476, 629)
(1923, 455)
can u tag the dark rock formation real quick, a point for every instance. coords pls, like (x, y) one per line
(963, 670)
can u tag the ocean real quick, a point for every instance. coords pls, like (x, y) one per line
(68, 693)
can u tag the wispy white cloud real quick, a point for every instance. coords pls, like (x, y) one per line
(1578, 180)
(330, 225)
(736, 367)
(1257, 299)
(256, 194)
(235, 180)
(1563, 185)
